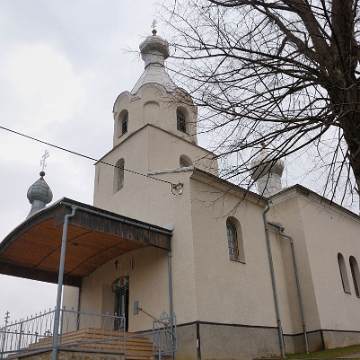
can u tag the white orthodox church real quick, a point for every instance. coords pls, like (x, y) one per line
(246, 275)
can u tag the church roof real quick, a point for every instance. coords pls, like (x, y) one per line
(94, 237)
(154, 74)
(280, 196)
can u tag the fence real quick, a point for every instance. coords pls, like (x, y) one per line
(83, 331)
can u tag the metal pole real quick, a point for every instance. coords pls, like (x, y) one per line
(272, 272)
(171, 303)
(60, 283)
(20, 334)
(78, 309)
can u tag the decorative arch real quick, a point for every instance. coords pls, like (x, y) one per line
(119, 171)
(151, 112)
(235, 240)
(185, 161)
(343, 273)
(355, 274)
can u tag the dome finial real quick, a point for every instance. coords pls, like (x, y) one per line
(153, 25)
(43, 163)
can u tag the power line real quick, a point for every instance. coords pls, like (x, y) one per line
(84, 156)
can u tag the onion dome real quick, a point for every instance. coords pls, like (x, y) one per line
(39, 195)
(265, 164)
(267, 173)
(154, 51)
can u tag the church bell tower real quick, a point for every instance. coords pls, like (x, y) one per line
(155, 131)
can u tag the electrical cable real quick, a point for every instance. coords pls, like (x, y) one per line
(85, 156)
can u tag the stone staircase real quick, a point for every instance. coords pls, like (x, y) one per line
(93, 344)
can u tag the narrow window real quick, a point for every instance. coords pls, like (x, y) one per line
(355, 274)
(343, 274)
(124, 123)
(181, 121)
(119, 175)
(232, 237)
(235, 240)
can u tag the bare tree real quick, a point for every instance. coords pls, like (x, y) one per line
(282, 72)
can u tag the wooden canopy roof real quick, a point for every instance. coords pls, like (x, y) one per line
(94, 236)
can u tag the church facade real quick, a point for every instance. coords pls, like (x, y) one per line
(246, 275)
(251, 276)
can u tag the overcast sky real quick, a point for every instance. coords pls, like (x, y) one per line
(62, 65)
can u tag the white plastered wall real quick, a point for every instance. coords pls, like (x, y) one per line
(152, 201)
(147, 285)
(320, 231)
(286, 212)
(329, 231)
(152, 105)
(229, 291)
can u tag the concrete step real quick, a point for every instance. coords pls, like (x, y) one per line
(90, 335)
(136, 347)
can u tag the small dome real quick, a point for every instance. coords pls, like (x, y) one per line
(154, 51)
(39, 194)
(264, 164)
(40, 190)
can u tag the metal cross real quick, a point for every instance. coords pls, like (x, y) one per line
(153, 25)
(43, 160)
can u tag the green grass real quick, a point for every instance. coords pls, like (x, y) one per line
(327, 354)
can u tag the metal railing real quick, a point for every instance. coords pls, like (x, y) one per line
(81, 330)
(164, 336)
(84, 331)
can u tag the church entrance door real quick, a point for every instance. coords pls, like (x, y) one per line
(120, 287)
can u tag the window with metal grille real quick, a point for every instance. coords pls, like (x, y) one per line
(355, 274)
(232, 237)
(343, 274)
(181, 121)
(124, 123)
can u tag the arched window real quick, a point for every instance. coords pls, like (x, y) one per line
(119, 175)
(343, 274)
(355, 274)
(124, 123)
(181, 121)
(235, 244)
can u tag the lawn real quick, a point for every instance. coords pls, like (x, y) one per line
(328, 354)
